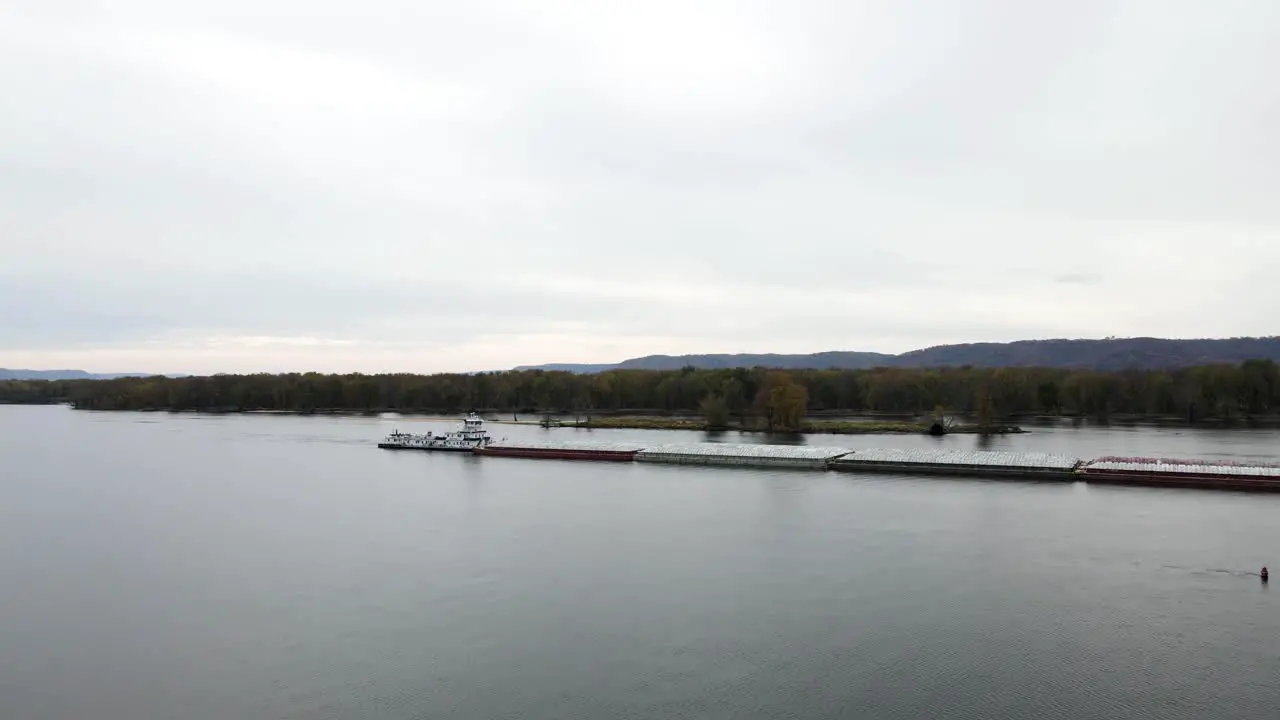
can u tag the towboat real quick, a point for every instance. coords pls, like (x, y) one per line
(470, 435)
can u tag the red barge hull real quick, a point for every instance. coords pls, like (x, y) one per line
(558, 454)
(1210, 481)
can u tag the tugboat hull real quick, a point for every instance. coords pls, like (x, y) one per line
(428, 448)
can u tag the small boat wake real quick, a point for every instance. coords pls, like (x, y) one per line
(1217, 571)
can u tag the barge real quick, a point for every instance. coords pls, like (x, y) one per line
(1169, 472)
(977, 463)
(567, 450)
(743, 455)
(1207, 474)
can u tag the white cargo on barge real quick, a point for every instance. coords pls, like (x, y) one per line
(984, 463)
(743, 455)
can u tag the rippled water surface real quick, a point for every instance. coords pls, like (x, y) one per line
(175, 566)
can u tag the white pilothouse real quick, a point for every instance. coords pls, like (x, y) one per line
(470, 435)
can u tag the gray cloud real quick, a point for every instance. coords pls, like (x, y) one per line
(441, 186)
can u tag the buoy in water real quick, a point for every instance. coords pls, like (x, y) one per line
(1263, 574)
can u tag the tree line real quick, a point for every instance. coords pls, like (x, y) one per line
(1250, 389)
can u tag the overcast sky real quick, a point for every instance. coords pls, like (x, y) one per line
(476, 184)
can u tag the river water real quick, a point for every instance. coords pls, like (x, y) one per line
(180, 566)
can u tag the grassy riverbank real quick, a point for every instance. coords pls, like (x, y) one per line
(831, 427)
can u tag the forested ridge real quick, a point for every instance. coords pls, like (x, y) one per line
(1246, 390)
(1110, 354)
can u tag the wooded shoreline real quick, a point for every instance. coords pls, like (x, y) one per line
(750, 398)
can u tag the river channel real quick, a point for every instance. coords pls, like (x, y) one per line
(158, 565)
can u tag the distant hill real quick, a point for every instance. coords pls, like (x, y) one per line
(832, 359)
(569, 367)
(7, 374)
(839, 359)
(1108, 354)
